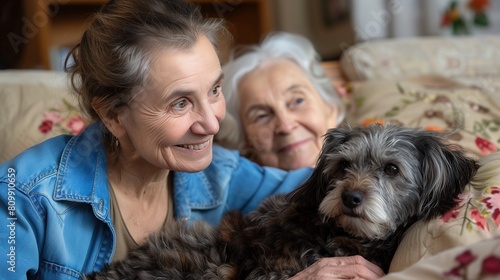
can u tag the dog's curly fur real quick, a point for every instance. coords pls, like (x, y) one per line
(370, 184)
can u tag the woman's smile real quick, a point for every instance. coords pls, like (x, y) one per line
(196, 147)
(294, 146)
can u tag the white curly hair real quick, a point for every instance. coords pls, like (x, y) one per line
(277, 45)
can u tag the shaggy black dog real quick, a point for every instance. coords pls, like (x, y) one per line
(370, 184)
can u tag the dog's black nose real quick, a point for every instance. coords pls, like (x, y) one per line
(352, 199)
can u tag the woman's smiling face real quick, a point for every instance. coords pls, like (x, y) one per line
(171, 123)
(284, 117)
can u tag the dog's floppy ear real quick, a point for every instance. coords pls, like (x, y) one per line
(311, 193)
(446, 170)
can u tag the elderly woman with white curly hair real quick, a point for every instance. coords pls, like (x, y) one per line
(280, 102)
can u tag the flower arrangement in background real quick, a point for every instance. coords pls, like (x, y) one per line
(454, 17)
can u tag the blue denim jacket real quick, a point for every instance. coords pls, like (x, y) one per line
(55, 208)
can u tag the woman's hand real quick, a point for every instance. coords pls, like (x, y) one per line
(355, 267)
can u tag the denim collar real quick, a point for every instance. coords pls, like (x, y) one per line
(85, 155)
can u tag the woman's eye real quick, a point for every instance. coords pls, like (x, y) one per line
(391, 169)
(217, 90)
(181, 104)
(298, 101)
(261, 117)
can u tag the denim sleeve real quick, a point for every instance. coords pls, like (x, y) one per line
(251, 184)
(19, 250)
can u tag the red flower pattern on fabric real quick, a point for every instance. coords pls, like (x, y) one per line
(450, 215)
(491, 265)
(479, 219)
(463, 260)
(455, 211)
(64, 118)
(45, 126)
(486, 147)
(76, 124)
(492, 202)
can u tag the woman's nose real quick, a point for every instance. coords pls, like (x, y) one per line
(285, 123)
(207, 120)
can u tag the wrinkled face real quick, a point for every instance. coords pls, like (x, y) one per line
(283, 116)
(171, 123)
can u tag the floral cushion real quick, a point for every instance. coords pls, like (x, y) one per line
(63, 118)
(478, 261)
(471, 117)
(470, 114)
(475, 218)
(35, 106)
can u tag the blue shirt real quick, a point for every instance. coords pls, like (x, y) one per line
(55, 204)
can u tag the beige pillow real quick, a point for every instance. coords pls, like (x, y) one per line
(35, 105)
(478, 261)
(466, 56)
(476, 218)
(471, 114)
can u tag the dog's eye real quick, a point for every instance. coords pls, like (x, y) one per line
(344, 164)
(391, 169)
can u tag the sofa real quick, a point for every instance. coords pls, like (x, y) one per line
(441, 83)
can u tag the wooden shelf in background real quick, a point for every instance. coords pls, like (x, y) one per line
(56, 24)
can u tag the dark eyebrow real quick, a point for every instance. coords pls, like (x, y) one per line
(219, 79)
